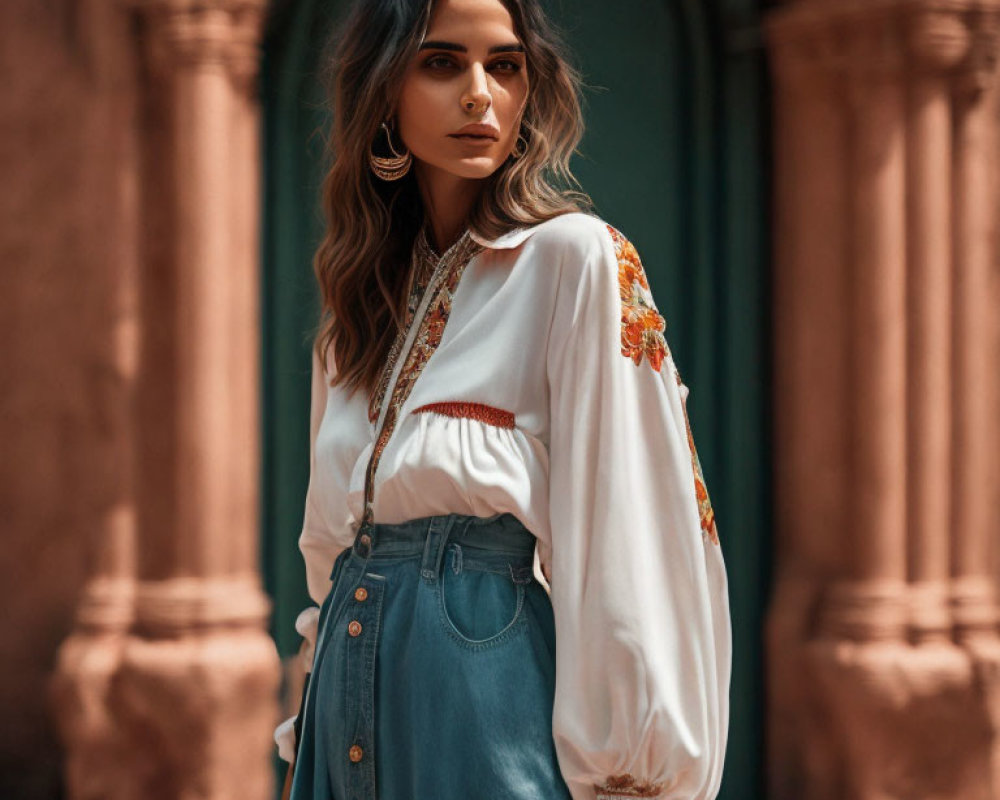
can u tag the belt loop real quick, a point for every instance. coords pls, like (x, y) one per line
(439, 533)
(434, 543)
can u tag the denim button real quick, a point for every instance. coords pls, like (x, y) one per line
(361, 593)
(354, 628)
(355, 753)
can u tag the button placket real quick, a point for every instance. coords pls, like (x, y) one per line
(365, 601)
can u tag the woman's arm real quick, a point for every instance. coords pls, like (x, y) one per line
(638, 582)
(316, 546)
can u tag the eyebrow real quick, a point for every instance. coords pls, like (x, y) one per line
(461, 48)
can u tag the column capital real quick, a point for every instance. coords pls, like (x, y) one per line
(980, 65)
(204, 33)
(865, 39)
(937, 39)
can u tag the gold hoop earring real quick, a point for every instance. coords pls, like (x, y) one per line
(390, 168)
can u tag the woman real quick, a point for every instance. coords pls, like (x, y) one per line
(521, 589)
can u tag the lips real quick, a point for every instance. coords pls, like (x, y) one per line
(474, 140)
(479, 131)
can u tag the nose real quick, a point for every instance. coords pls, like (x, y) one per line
(477, 95)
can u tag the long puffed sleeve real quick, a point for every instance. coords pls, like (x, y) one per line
(315, 544)
(638, 583)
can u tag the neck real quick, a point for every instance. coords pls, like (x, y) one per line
(448, 200)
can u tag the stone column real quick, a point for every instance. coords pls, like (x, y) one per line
(976, 395)
(867, 603)
(937, 42)
(889, 698)
(977, 434)
(196, 692)
(811, 391)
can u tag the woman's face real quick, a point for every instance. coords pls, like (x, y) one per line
(470, 70)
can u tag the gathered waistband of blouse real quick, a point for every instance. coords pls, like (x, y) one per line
(500, 533)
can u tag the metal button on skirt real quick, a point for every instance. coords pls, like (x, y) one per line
(434, 671)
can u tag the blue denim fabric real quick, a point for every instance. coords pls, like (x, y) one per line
(448, 686)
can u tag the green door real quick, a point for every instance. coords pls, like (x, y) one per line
(674, 156)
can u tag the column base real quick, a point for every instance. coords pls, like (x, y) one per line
(196, 692)
(907, 721)
(865, 610)
(973, 607)
(79, 690)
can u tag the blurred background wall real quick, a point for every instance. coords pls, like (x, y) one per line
(68, 221)
(813, 186)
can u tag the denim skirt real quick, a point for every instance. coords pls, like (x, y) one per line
(434, 669)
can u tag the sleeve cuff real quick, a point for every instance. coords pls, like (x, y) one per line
(284, 736)
(618, 786)
(307, 626)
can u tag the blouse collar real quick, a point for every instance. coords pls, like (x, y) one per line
(506, 240)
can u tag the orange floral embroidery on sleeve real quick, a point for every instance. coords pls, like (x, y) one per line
(642, 325)
(705, 511)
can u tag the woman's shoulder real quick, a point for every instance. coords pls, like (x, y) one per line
(574, 230)
(577, 236)
(587, 248)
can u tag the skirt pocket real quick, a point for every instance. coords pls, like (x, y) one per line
(481, 596)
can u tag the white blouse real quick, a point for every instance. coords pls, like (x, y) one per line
(547, 390)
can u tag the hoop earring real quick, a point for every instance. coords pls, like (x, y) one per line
(515, 153)
(390, 168)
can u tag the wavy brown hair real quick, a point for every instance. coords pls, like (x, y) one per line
(363, 261)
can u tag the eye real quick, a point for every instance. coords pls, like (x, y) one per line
(513, 66)
(430, 62)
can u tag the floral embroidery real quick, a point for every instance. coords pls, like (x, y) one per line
(421, 267)
(626, 786)
(480, 411)
(641, 324)
(428, 337)
(705, 511)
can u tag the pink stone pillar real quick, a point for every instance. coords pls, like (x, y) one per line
(198, 683)
(881, 688)
(975, 377)
(976, 400)
(937, 43)
(868, 604)
(812, 389)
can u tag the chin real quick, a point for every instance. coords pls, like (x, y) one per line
(471, 168)
(480, 170)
